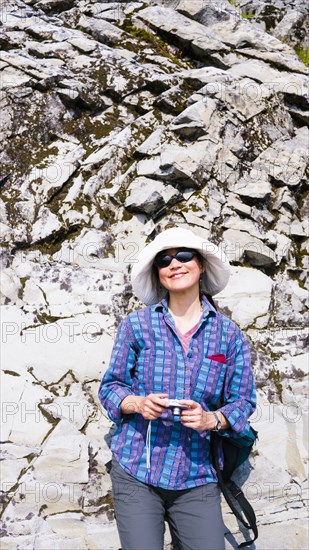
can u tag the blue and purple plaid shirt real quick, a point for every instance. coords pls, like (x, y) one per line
(148, 358)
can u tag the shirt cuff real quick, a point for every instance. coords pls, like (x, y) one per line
(236, 418)
(115, 399)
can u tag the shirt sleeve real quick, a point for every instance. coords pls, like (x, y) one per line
(239, 390)
(116, 383)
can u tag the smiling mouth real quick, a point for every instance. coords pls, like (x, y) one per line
(177, 275)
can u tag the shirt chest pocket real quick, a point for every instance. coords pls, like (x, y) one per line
(207, 384)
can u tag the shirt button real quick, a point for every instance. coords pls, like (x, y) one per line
(189, 355)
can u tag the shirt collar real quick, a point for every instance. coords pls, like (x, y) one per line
(206, 305)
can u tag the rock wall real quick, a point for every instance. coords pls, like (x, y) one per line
(120, 119)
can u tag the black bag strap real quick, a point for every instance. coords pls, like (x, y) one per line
(108, 466)
(246, 509)
(237, 493)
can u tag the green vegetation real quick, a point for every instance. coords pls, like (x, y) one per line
(86, 125)
(126, 216)
(141, 33)
(157, 44)
(303, 54)
(45, 318)
(22, 287)
(248, 15)
(242, 14)
(274, 375)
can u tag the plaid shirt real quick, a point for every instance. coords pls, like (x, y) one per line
(148, 357)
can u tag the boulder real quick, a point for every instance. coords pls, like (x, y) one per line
(286, 160)
(64, 457)
(41, 348)
(183, 165)
(29, 525)
(172, 100)
(152, 144)
(60, 162)
(10, 286)
(206, 79)
(253, 188)
(237, 205)
(21, 397)
(241, 246)
(195, 120)
(284, 60)
(286, 20)
(102, 30)
(293, 26)
(189, 34)
(12, 77)
(55, 6)
(257, 44)
(285, 199)
(11, 470)
(207, 13)
(41, 70)
(45, 226)
(299, 228)
(247, 296)
(245, 97)
(150, 196)
(290, 302)
(176, 164)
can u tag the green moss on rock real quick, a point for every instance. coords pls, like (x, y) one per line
(303, 54)
(274, 376)
(159, 46)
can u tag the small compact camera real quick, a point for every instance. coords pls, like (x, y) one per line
(176, 406)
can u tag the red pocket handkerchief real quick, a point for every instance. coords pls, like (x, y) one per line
(220, 357)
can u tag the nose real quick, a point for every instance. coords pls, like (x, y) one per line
(175, 264)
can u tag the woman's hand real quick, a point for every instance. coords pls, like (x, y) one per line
(150, 407)
(196, 418)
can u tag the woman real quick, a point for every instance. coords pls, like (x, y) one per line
(178, 347)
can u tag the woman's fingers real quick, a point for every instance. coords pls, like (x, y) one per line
(159, 398)
(193, 409)
(190, 403)
(154, 405)
(193, 417)
(155, 409)
(157, 402)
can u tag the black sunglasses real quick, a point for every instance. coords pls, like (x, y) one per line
(163, 260)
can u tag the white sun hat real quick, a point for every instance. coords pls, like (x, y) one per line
(144, 278)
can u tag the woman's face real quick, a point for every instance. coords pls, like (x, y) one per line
(178, 276)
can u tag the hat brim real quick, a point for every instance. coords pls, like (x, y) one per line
(144, 279)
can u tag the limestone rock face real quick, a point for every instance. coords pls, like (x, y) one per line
(119, 119)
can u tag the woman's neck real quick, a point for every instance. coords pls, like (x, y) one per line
(183, 305)
(185, 312)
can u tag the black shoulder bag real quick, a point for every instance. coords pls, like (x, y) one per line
(235, 452)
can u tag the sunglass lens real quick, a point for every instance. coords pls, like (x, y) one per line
(163, 261)
(185, 255)
(182, 256)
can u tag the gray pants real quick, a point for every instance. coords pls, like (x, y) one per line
(194, 515)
